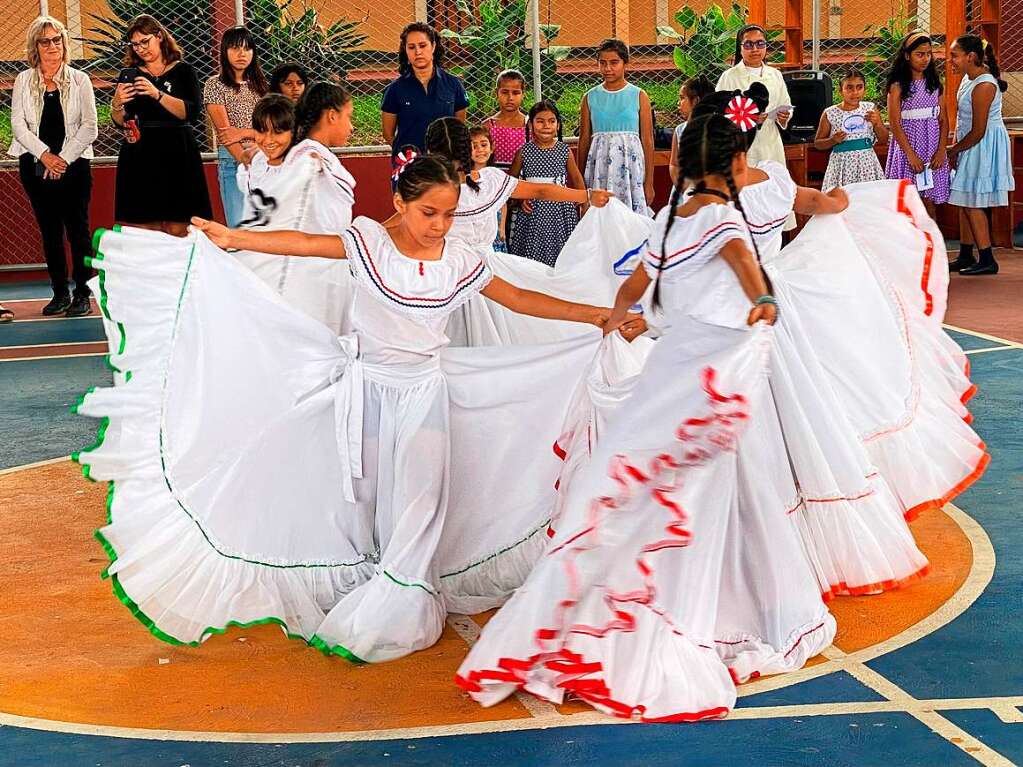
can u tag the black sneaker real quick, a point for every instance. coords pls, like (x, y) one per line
(81, 305)
(58, 305)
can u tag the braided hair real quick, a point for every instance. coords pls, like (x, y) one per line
(449, 137)
(317, 99)
(707, 147)
(423, 173)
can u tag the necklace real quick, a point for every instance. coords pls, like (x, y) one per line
(712, 192)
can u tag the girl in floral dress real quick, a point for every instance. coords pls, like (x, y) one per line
(616, 133)
(850, 130)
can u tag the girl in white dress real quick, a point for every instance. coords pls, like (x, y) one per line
(879, 389)
(296, 182)
(675, 541)
(301, 478)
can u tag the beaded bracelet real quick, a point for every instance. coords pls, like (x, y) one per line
(768, 299)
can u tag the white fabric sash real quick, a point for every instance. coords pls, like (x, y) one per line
(348, 376)
(923, 113)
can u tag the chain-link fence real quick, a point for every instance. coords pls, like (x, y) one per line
(357, 41)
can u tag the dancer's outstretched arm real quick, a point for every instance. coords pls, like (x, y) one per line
(628, 294)
(527, 190)
(276, 243)
(541, 305)
(810, 202)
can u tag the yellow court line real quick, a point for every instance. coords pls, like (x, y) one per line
(986, 336)
(35, 465)
(980, 575)
(56, 343)
(990, 349)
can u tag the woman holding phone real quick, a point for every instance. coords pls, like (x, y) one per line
(160, 180)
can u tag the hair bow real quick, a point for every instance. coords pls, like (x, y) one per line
(742, 112)
(401, 161)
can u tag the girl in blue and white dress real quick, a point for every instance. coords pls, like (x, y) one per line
(315, 494)
(981, 156)
(616, 132)
(296, 182)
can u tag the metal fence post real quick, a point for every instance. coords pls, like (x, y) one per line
(815, 60)
(534, 11)
(239, 12)
(44, 8)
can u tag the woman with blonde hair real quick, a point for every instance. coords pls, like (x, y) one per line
(160, 180)
(53, 119)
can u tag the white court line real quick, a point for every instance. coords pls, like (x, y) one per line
(57, 318)
(6, 301)
(991, 349)
(928, 716)
(53, 356)
(985, 336)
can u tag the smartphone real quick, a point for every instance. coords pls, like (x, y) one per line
(128, 75)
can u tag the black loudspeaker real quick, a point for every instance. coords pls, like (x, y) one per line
(811, 93)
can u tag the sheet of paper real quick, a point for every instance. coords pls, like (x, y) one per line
(924, 180)
(773, 113)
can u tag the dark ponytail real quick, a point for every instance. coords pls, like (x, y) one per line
(422, 174)
(449, 137)
(317, 99)
(985, 53)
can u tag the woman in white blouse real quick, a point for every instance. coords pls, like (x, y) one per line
(53, 119)
(751, 67)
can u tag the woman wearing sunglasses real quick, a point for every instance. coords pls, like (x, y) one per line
(751, 67)
(160, 180)
(53, 119)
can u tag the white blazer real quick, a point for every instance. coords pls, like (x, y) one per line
(78, 102)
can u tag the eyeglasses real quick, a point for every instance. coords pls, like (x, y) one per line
(138, 45)
(749, 45)
(50, 42)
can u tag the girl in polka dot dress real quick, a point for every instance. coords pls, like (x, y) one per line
(542, 227)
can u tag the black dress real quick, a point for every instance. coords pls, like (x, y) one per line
(160, 177)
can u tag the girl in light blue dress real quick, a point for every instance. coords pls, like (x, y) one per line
(616, 133)
(980, 156)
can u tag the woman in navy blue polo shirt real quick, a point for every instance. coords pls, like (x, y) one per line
(423, 91)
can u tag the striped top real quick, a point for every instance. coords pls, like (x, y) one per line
(401, 305)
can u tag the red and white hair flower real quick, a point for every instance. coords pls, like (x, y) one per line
(742, 111)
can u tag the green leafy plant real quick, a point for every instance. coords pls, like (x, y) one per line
(497, 40)
(282, 35)
(190, 21)
(706, 42)
(888, 36)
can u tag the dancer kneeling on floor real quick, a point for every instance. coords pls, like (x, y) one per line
(395, 471)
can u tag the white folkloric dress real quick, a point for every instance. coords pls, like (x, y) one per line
(350, 489)
(586, 269)
(312, 192)
(674, 569)
(879, 357)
